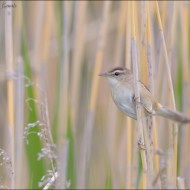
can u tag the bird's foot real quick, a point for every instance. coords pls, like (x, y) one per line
(141, 145)
(136, 99)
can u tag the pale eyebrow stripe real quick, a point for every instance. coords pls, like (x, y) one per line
(118, 68)
(119, 71)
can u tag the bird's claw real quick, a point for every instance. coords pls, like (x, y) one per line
(141, 145)
(136, 99)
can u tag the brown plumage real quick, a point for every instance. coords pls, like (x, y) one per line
(122, 86)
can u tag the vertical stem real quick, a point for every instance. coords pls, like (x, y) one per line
(150, 119)
(128, 36)
(78, 51)
(129, 147)
(19, 123)
(39, 25)
(86, 143)
(112, 113)
(137, 93)
(185, 131)
(64, 100)
(149, 52)
(19, 104)
(174, 132)
(10, 82)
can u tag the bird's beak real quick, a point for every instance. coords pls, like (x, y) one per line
(103, 74)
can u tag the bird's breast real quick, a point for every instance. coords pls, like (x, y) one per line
(123, 97)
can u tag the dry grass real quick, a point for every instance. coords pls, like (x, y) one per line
(59, 125)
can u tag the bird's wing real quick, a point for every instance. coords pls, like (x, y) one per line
(145, 97)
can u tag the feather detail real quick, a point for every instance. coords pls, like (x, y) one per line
(173, 115)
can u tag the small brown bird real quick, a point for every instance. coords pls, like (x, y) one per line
(123, 93)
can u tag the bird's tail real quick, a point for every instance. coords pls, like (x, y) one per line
(173, 115)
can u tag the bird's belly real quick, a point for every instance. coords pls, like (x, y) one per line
(124, 101)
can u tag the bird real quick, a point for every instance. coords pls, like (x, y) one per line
(121, 81)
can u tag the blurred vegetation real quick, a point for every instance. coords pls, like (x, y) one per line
(59, 125)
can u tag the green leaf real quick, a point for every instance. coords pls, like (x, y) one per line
(36, 168)
(71, 174)
(139, 172)
(108, 180)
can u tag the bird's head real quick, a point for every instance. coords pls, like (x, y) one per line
(116, 75)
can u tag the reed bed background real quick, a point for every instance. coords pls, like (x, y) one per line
(59, 125)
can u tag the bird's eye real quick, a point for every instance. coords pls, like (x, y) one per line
(116, 73)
